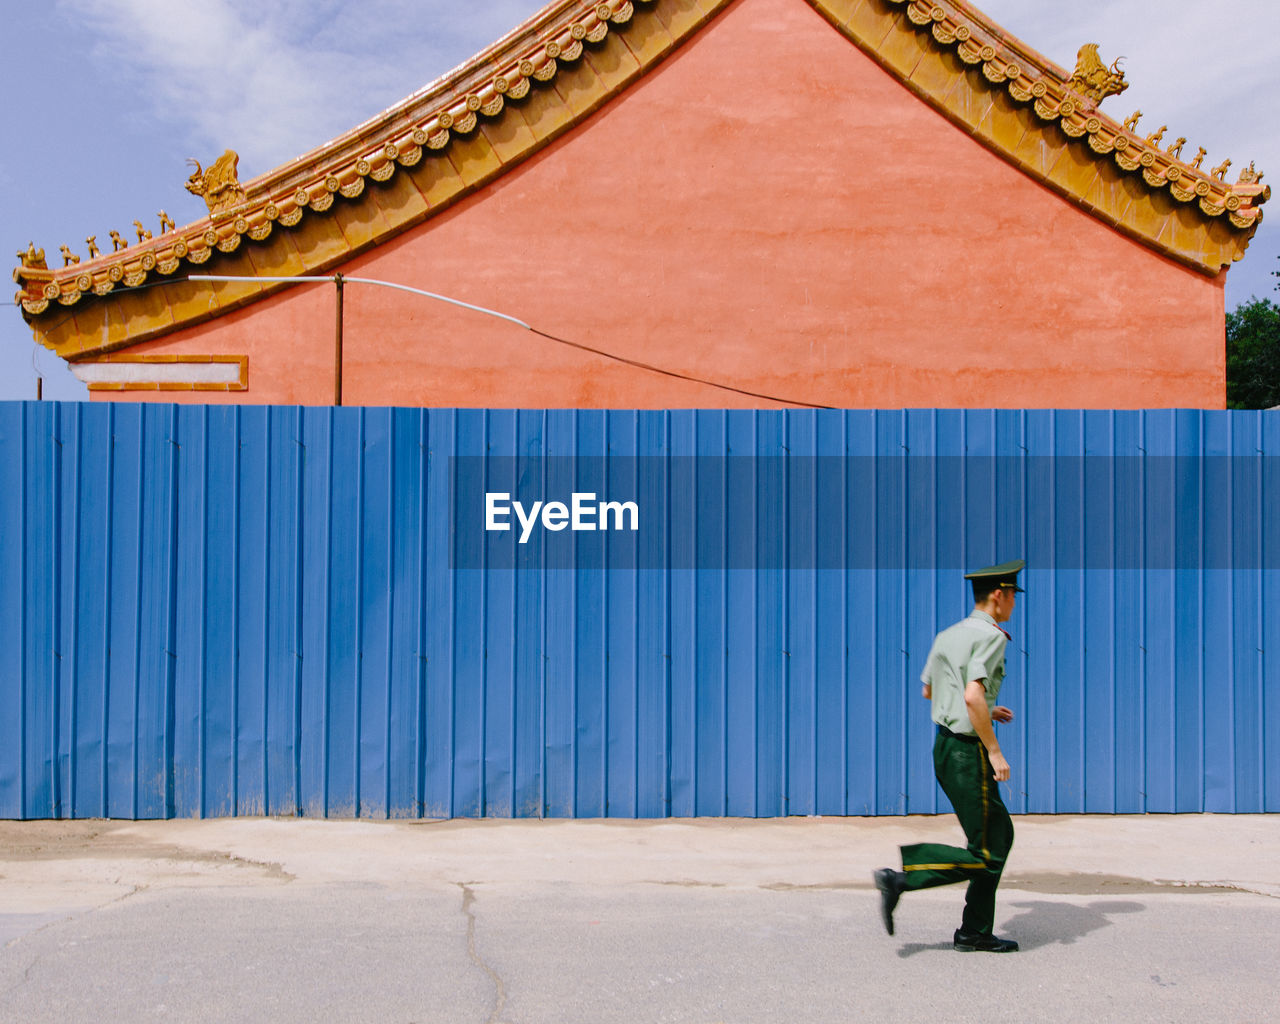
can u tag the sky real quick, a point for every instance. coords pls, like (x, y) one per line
(103, 101)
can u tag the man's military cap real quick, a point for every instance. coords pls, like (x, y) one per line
(1004, 575)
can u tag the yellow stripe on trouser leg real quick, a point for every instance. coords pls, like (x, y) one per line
(965, 775)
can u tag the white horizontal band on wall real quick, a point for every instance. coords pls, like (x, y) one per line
(178, 373)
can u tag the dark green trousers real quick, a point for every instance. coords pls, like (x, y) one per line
(964, 772)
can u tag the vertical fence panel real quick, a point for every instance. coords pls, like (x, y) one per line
(317, 570)
(1246, 597)
(1039, 697)
(741, 665)
(1188, 622)
(66, 608)
(653, 657)
(560, 673)
(333, 707)
(621, 603)
(1159, 473)
(40, 569)
(590, 603)
(801, 505)
(222, 735)
(284, 529)
(1096, 608)
(253, 513)
(709, 682)
(469, 610)
(1128, 688)
(1218, 665)
(929, 503)
(682, 623)
(405, 654)
(89, 568)
(217, 611)
(1268, 706)
(124, 613)
(770, 609)
(372, 594)
(1068, 493)
(439, 610)
(191, 638)
(498, 633)
(13, 554)
(529, 656)
(889, 496)
(830, 646)
(862, 621)
(1267, 709)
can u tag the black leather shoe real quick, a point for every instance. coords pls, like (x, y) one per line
(977, 942)
(889, 883)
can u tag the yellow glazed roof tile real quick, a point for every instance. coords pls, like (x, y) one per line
(681, 17)
(652, 41)
(868, 23)
(400, 201)
(613, 63)
(967, 105)
(510, 138)
(474, 159)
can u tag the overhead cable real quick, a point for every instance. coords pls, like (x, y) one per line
(520, 323)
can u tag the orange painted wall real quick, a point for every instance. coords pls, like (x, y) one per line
(769, 209)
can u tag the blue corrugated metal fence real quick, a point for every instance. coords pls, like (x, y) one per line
(221, 610)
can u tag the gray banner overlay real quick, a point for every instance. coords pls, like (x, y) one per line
(864, 512)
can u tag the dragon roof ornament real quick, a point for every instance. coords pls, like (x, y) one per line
(219, 186)
(451, 108)
(1094, 79)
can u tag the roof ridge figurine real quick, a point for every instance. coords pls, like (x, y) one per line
(219, 185)
(1094, 79)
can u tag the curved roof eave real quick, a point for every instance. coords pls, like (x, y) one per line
(946, 51)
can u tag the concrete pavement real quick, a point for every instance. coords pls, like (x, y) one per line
(1120, 918)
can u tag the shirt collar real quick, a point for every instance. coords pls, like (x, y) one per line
(982, 616)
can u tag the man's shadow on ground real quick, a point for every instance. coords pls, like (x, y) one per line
(1046, 923)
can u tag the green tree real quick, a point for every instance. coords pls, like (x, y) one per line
(1253, 355)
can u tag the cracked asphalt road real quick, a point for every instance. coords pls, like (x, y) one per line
(500, 922)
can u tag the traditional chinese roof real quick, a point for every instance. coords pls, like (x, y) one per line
(457, 134)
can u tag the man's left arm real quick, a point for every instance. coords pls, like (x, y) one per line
(994, 658)
(991, 657)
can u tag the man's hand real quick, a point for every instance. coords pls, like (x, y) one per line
(1001, 714)
(975, 699)
(927, 691)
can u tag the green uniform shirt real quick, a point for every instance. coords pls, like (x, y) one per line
(970, 651)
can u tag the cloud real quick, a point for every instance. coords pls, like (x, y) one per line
(275, 80)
